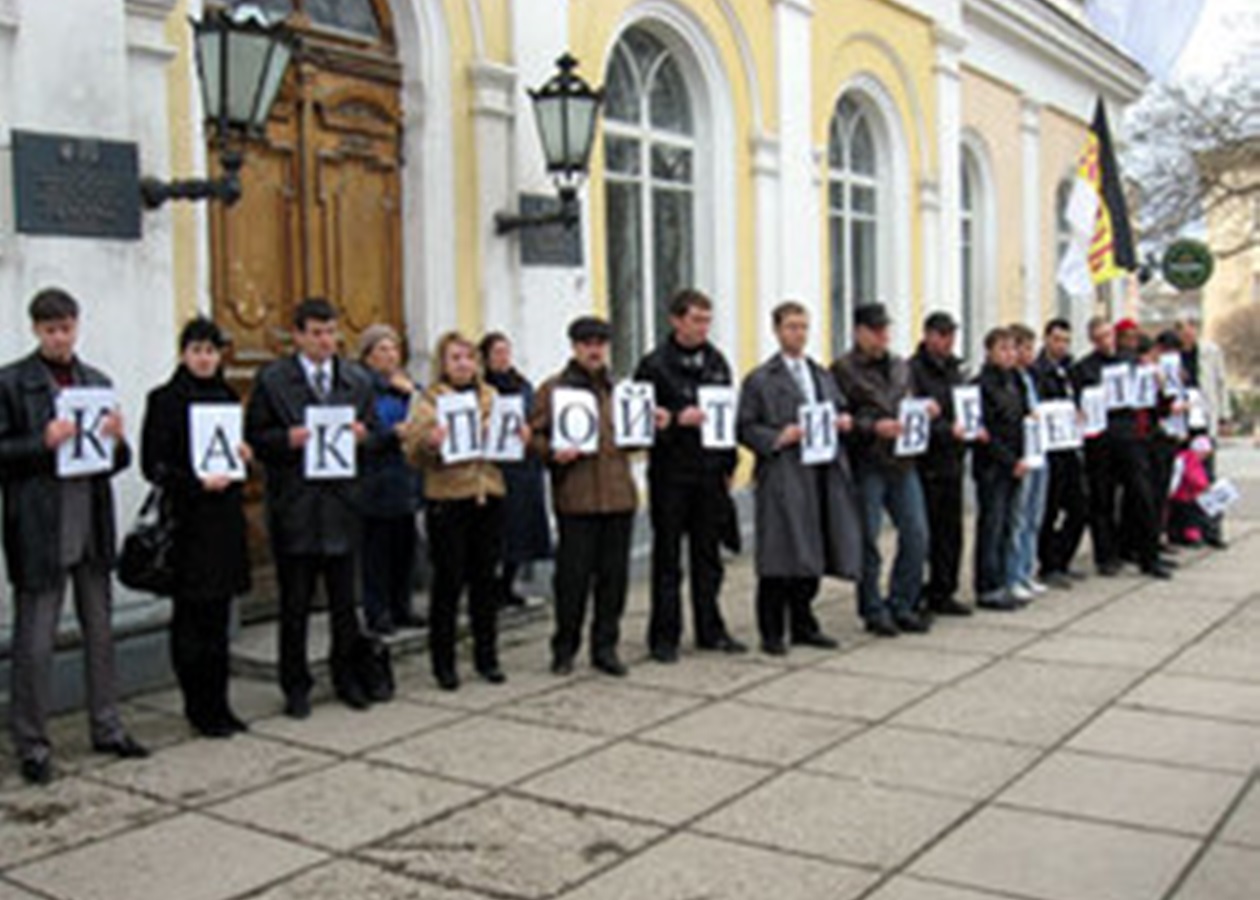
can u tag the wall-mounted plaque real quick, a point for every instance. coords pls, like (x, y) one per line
(76, 186)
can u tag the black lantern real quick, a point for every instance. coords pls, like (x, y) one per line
(242, 57)
(566, 111)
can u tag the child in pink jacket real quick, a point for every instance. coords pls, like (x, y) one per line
(1186, 518)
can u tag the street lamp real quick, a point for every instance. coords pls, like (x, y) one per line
(242, 56)
(566, 110)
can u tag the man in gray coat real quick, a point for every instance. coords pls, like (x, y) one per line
(57, 531)
(807, 515)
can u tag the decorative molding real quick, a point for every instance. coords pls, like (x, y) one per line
(929, 195)
(766, 152)
(948, 41)
(146, 29)
(494, 89)
(804, 7)
(151, 9)
(1029, 115)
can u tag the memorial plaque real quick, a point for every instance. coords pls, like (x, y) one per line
(76, 186)
(548, 245)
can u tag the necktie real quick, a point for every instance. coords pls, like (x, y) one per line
(803, 381)
(321, 383)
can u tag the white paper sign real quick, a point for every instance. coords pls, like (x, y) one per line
(818, 441)
(916, 427)
(1170, 374)
(1034, 445)
(503, 436)
(459, 414)
(968, 410)
(1118, 385)
(88, 452)
(574, 421)
(634, 413)
(214, 431)
(1196, 413)
(330, 452)
(1060, 425)
(1176, 426)
(1094, 406)
(1219, 497)
(1145, 392)
(718, 402)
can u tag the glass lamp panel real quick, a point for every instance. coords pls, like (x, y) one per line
(247, 68)
(209, 49)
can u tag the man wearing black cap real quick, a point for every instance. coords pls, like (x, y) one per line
(594, 499)
(875, 382)
(934, 372)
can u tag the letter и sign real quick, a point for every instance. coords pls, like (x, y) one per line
(634, 414)
(818, 433)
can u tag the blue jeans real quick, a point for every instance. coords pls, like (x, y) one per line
(1030, 509)
(997, 494)
(901, 494)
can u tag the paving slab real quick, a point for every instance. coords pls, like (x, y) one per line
(906, 888)
(1096, 650)
(1125, 791)
(182, 857)
(845, 821)
(1197, 696)
(832, 693)
(643, 782)
(349, 880)
(976, 634)
(511, 846)
(1172, 739)
(13, 892)
(922, 760)
(752, 733)
(707, 674)
(602, 706)
(687, 867)
(1164, 620)
(335, 728)
(885, 659)
(966, 711)
(1225, 873)
(1033, 681)
(346, 806)
(1052, 858)
(1243, 826)
(69, 812)
(475, 694)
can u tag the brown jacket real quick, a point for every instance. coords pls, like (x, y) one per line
(599, 484)
(474, 480)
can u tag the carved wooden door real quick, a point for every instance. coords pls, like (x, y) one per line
(320, 213)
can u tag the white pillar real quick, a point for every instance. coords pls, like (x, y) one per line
(1033, 243)
(947, 294)
(494, 114)
(766, 186)
(800, 263)
(930, 216)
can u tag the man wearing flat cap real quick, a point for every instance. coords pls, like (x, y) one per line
(594, 498)
(875, 382)
(934, 372)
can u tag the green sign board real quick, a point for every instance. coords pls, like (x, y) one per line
(1188, 264)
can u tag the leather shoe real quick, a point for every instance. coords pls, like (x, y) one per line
(214, 730)
(882, 626)
(352, 696)
(1158, 571)
(609, 664)
(1060, 581)
(911, 623)
(774, 648)
(1217, 543)
(297, 706)
(665, 655)
(1001, 603)
(37, 771)
(949, 607)
(492, 674)
(562, 665)
(724, 644)
(234, 722)
(1109, 569)
(124, 747)
(817, 639)
(447, 681)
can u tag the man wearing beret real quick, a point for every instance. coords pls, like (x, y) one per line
(875, 382)
(594, 498)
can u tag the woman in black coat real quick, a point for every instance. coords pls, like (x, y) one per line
(210, 558)
(526, 532)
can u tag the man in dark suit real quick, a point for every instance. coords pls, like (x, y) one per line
(314, 524)
(57, 530)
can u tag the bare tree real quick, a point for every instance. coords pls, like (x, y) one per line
(1193, 150)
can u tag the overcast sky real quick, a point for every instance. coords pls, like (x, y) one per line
(1226, 28)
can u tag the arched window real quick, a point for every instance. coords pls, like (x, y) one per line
(649, 162)
(854, 208)
(1062, 238)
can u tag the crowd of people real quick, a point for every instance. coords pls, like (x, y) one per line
(820, 496)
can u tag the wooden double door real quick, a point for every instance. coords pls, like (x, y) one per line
(319, 216)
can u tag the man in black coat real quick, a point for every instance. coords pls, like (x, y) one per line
(687, 484)
(1066, 512)
(934, 372)
(314, 524)
(56, 530)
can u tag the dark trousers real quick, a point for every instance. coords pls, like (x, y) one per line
(943, 496)
(1113, 466)
(693, 509)
(785, 603)
(900, 494)
(997, 495)
(298, 576)
(592, 555)
(199, 656)
(465, 546)
(1067, 512)
(389, 561)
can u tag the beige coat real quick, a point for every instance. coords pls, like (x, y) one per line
(474, 480)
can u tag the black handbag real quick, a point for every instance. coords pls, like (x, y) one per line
(146, 562)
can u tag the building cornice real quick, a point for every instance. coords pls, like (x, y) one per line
(494, 89)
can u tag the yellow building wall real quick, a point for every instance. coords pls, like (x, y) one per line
(1062, 139)
(1235, 279)
(895, 47)
(184, 133)
(459, 21)
(992, 111)
(593, 30)
(496, 21)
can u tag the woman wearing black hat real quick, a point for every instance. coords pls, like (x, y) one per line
(210, 558)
